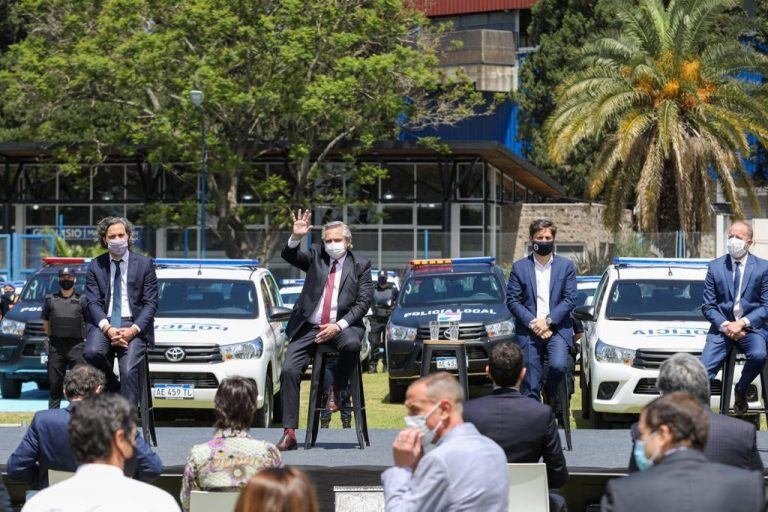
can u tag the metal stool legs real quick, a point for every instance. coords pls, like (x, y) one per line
(461, 360)
(146, 410)
(727, 386)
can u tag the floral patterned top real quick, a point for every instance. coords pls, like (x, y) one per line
(226, 463)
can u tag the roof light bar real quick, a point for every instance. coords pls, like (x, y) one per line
(587, 279)
(60, 260)
(191, 262)
(661, 262)
(291, 282)
(489, 260)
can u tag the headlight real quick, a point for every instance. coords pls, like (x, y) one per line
(505, 328)
(397, 332)
(249, 350)
(609, 354)
(9, 326)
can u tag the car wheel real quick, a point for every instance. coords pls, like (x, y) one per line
(396, 391)
(599, 421)
(264, 415)
(586, 398)
(10, 388)
(44, 386)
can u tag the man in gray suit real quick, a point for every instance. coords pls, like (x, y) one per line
(675, 474)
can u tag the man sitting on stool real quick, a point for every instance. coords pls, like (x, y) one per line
(336, 297)
(736, 303)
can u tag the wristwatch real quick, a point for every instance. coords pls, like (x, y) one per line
(549, 320)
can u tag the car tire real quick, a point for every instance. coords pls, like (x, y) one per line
(10, 388)
(263, 417)
(599, 421)
(586, 398)
(44, 386)
(396, 391)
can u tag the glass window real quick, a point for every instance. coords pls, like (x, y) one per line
(508, 189)
(39, 182)
(75, 187)
(38, 215)
(398, 215)
(398, 185)
(521, 193)
(471, 181)
(141, 183)
(75, 215)
(429, 184)
(179, 186)
(362, 215)
(46, 283)
(465, 289)
(268, 302)
(656, 300)
(430, 214)
(108, 183)
(471, 215)
(204, 298)
(113, 210)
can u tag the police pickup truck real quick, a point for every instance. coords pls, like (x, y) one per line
(23, 342)
(469, 291)
(644, 311)
(215, 319)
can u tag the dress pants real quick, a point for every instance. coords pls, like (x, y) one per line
(299, 355)
(534, 351)
(100, 353)
(716, 349)
(63, 353)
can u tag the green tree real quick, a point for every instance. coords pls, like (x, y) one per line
(299, 80)
(672, 106)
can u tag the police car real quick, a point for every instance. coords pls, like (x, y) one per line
(23, 356)
(469, 291)
(585, 289)
(644, 311)
(215, 319)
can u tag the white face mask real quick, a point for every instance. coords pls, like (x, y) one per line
(117, 248)
(420, 422)
(737, 247)
(336, 249)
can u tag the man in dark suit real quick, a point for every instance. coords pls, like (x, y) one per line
(676, 474)
(526, 429)
(541, 294)
(121, 290)
(730, 441)
(736, 304)
(337, 294)
(46, 443)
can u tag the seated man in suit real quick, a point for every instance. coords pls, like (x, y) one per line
(735, 301)
(46, 444)
(524, 428)
(675, 474)
(730, 441)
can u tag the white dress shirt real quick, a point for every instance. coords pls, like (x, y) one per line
(101, 488)
(543, 274)
(737, 309)
(125, 306)
(317, 314)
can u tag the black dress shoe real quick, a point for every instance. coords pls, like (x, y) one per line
(740, 405)
(287, 443)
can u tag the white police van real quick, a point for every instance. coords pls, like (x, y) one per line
(644, 311)
(216, 319)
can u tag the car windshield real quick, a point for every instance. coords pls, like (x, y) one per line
(42, 284)
(655, 300)
(426, 290)
(583, 295)
(195, 298)
(290, 298)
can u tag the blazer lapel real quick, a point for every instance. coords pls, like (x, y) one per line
(532, 278)
(554, 277)
(747, 272)
(349, 263)
(105, 265)
(133, 263)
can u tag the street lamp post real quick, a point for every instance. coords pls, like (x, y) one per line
(197, 99)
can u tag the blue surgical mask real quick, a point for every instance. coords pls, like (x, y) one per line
(420, 422)
(642, 461)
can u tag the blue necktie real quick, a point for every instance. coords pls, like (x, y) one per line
(736, 280)
(116, 295)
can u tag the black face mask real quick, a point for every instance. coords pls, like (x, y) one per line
(543, 248)
(66, 285)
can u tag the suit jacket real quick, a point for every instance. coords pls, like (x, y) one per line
(521, 295)
(524, 428)
(46, 446)
(5, 498)
(686, 481)
(355, 287)
(142, 293)
(719, 293)
(731, 441)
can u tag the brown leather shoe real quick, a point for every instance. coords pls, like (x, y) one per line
(740, 405)
(287, 442)
(331, 405)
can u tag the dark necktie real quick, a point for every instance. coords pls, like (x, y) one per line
(325, 316)
(736, 280)
(116, 296)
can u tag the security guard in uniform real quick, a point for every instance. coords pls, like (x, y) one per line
(64, 323)
(384, 298)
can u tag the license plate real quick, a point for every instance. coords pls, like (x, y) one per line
(44, 358)
(446, 363)
(174, 391)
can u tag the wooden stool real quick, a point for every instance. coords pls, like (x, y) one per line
(727, 386)
(146, 410)
(316, 396)
(458, 347)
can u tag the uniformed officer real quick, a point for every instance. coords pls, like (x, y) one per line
(64, 323)
(384, 298)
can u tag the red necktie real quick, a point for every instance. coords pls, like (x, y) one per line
(325, 316)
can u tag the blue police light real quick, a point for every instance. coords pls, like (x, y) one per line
(587, 279)
(291, 282)
(191, 262)
(489, 260)
(661, 262)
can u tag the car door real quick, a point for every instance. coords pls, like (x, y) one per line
(278, 328)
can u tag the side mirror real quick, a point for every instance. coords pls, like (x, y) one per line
(585, 313)
(279, 314)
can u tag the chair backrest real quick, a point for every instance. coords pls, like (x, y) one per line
(528, 488)
(202, 501)
(358, 498)
(55, 476)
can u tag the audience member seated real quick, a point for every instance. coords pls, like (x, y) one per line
(5, 498)
(525, 428)
(279, 489)
(730, 441)
(232, 457)
(46, 444)
(102, 433)
(675, 475)
(464, 471)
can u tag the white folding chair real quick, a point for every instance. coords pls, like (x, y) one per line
(528, 488)
(202, 501)
(55, 476)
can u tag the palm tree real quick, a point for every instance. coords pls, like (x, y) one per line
(673, 110)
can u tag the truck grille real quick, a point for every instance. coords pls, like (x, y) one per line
(648, 387)
(200, 380)
(192, 354)
(32, 350)
(34, 329)
(652, 359)
(473, 352)
(466, 332)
